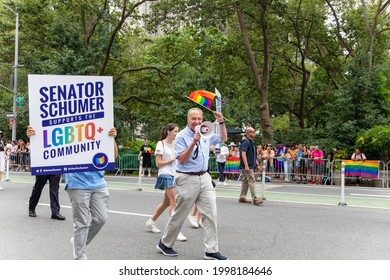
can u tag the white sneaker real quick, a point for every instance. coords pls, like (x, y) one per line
(181, 237)
(151, 226)
(193, 221)
(225, 184)
(219, 183)
(148, 175)
(1, 188)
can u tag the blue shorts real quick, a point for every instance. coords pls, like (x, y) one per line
(164, 181)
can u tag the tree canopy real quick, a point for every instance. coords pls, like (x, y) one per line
(301, 71)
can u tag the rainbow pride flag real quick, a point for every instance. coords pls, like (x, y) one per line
(364, 169)
(232, 165)
(202, 97)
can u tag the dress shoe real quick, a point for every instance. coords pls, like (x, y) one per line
(244, 200)
(32, 213)
(57, 216)
(257, 201)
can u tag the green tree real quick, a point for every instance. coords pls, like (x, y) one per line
(376, 141)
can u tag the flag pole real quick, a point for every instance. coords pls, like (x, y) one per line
(218, 106)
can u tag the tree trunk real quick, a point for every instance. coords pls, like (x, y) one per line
(372, 27)
(261, 81)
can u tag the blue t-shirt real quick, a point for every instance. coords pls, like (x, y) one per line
(299, 154)
(91, 180)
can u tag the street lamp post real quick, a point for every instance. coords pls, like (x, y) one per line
(15, 89)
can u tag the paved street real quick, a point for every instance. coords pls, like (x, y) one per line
(296, 222)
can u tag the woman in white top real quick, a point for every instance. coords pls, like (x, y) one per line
(165, 161)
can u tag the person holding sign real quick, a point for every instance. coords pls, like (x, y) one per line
(88, 194)
(193, 185)
(54, 185)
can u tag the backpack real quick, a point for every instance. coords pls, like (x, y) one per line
(327, 180)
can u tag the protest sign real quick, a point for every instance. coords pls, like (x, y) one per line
(71, 116)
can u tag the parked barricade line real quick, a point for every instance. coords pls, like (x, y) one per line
(127, 162)
(301, 170)
(387, 174)
(118, 165)
(304, 170)
(365, 170)
(18, 161)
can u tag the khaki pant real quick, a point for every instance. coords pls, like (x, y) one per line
(248, 182)
(192, 189)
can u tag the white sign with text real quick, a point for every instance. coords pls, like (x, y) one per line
(71, 116)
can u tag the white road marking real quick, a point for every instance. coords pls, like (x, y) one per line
(369, 195)
(109, 211)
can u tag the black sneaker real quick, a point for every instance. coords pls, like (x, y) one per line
(166, 250)
(214, 256)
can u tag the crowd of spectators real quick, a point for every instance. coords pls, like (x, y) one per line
(293, 163)
(18, 154)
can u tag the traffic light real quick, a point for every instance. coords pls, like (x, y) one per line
(20, 101)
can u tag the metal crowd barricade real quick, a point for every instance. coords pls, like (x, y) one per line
(231, 171)
(18, 161)
(383, 169)
(304, 169)
(130, 162)
(301, 170)
(213, 166)
(118, 164)
(387, 173)
(382, 172)
(127, 162)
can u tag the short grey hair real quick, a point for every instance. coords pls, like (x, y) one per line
(194, 109)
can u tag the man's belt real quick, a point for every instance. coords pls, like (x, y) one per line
(192, 173)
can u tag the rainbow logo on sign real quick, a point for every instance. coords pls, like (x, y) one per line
(100, 160)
